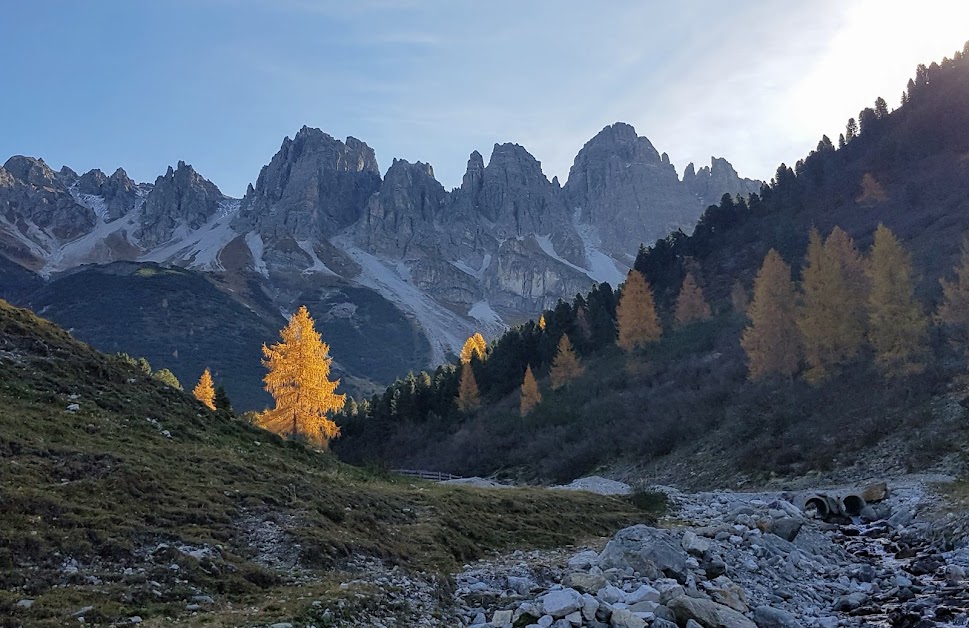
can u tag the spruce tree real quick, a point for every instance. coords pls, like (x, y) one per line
(468, 398)
(222, 401)
(636, 314)
(298, 380)
(531, 396)
(204, 391)
(691, 306)
(897, 327)
(565, 366)
(771, 340)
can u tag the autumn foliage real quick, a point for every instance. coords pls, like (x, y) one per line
(531, 396)
(474, 346)
(469, 399)
(691, 305)
(832, 315)
(298, 380)
(954, 310)
(565, 365)
(897, 326)
(204, 391)
(636, 314)
(771, 340)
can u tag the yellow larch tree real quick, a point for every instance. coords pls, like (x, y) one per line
(468, 398)
(691, 306)
(473, 346)
(897, 326)
(832, 313)
(204, 391)
(636, 314)
(565, 364)
(771, 340)
(541, 321)
(298, 380)
(954, 309)
(531, 396)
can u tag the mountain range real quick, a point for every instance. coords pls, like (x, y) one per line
(398, 270)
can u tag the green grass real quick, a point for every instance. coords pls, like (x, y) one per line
(104, 487)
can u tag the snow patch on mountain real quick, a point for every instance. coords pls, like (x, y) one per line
(487, 317)
(256, 248)
(94, 246)
(317, 265)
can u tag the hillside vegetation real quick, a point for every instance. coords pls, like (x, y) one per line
(685, 407)
(121, 493)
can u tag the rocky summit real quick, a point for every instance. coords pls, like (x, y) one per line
(321, 224)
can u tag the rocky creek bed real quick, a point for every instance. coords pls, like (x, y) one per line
(739, 560)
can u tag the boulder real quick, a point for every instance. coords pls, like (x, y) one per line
(786, 527)
(875, 492)
(648, 550)
(624, 618)
(644, 593)
(584, 582)
(693, 544)
(502, 618)
(770, 617)
(708, 613)
(560, 603)
(584, 561)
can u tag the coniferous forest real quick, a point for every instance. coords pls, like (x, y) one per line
(754, 331)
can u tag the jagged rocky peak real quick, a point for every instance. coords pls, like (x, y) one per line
(409, 198)
(31, 170)
(622, 185)
(30, 190)
(180, 197)
(314, 186)
(474, 174)
(710, 183)
(119, 192)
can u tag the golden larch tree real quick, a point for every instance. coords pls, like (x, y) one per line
(204, 391)
(897, 326)
(298, 380)
(691, 306)
(565, 364)
(541, 322)
(832, 313)
(954, 309)
(531, 396)
(474, 346)
(468, 398)
(636, 314)
(771, 340)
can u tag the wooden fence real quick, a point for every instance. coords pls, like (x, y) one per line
(433, 476)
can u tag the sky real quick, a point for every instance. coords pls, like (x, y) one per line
(220, 83)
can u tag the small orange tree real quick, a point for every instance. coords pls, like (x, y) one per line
(565, 365)
(772, 341)
(474, 346)
(531, 396)
(636, 314)
(205, 390)
(298, 380)
(691, 306)
(469, 399)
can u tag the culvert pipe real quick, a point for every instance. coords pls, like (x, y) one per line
(851, 504)
(818, 503)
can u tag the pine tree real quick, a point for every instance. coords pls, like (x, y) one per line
(897, 327)
(832, 312)
(881, 108)
(691, 306)
(565, 366)
(772, 340)
(298, 380)
(531, 396)
(222, 401)
(164, 375)
(636, 314)
(468, 398)
(204, 391)
(851, 130)
(474, 346)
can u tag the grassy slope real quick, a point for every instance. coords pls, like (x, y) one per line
(104, 487)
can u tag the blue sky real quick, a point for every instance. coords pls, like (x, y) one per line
(219, 83)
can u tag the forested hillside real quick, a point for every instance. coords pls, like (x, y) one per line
(689, 385)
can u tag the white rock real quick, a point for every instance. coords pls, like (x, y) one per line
(610, 595)
(574, 619)
(644, 593)
(74, 407)
(694, 544)
(623, 618)
(24, 604)
(502, 618)
(560, 603)
(584, 560)
(590, 606)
